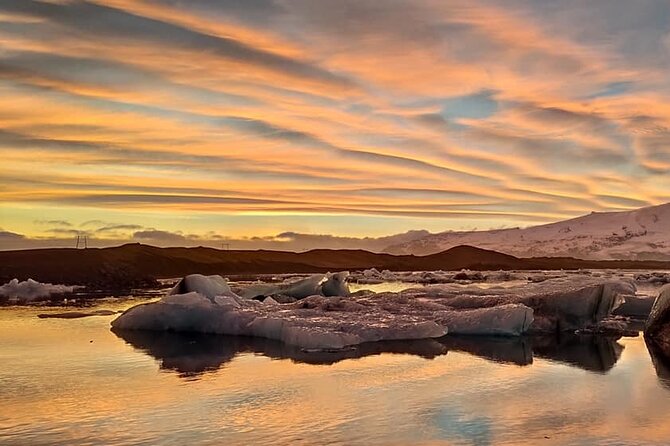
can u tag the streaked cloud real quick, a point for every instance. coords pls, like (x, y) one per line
(352, 118)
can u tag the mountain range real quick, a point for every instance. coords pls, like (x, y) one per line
(642, 234)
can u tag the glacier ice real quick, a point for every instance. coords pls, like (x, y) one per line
(660, 311)
(559, 304)
(297, 289)
(29, 290)
(330, 284)
(335, 284)
(316, 322)
(321, 322)
(208, 286)
(502, 320)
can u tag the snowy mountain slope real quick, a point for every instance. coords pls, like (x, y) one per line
(642, 234)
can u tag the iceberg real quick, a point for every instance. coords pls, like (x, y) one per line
(657, 328)
(330, 284)
(208, 286)
(502, 320)
(324, 320)
(298, 289)
(335, 284)
(559, 304)
(316, 322)
(660, 311)
(29, 290)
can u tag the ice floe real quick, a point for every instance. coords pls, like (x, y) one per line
(316, 322)
(29, 290)
(327, 317)
(330, 284)
(208, 286)
(335, 284)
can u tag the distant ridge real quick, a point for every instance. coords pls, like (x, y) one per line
(136, 265)
(641, 234)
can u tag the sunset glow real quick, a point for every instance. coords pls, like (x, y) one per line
(201, 122)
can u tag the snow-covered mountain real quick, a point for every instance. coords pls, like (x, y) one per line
(642, 234)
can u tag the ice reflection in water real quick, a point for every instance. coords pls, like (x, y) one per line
(58, 387)
(191, 354)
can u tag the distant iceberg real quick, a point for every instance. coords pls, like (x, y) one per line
(29, 290)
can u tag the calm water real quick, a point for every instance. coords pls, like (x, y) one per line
(75, 382)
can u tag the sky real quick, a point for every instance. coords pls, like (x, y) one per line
(270, 123)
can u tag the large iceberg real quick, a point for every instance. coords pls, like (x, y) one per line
(29, 290)
(322, 322)
(316, 322)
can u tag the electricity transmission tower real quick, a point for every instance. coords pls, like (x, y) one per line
(82, 242)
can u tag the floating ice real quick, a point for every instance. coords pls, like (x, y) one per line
(502, 320)
(658, 323)
(298, 289)
(372, 273)
(30, 289)
(331, 284)
(316, 322)
(208, 286)
(335, 284)
(660, 307)
(319, 322)
(559, 304)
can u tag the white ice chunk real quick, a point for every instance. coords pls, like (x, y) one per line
(303, 288)
(208, 286)
(336, 284)
(298, 289)
(30, 289)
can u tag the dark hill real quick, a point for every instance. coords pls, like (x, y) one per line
(136, 265)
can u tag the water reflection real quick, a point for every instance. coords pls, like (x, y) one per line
(660, 358)
(588, 352)
(508, 350)
(192, 354)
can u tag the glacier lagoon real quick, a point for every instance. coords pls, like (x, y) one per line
(74, 381)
